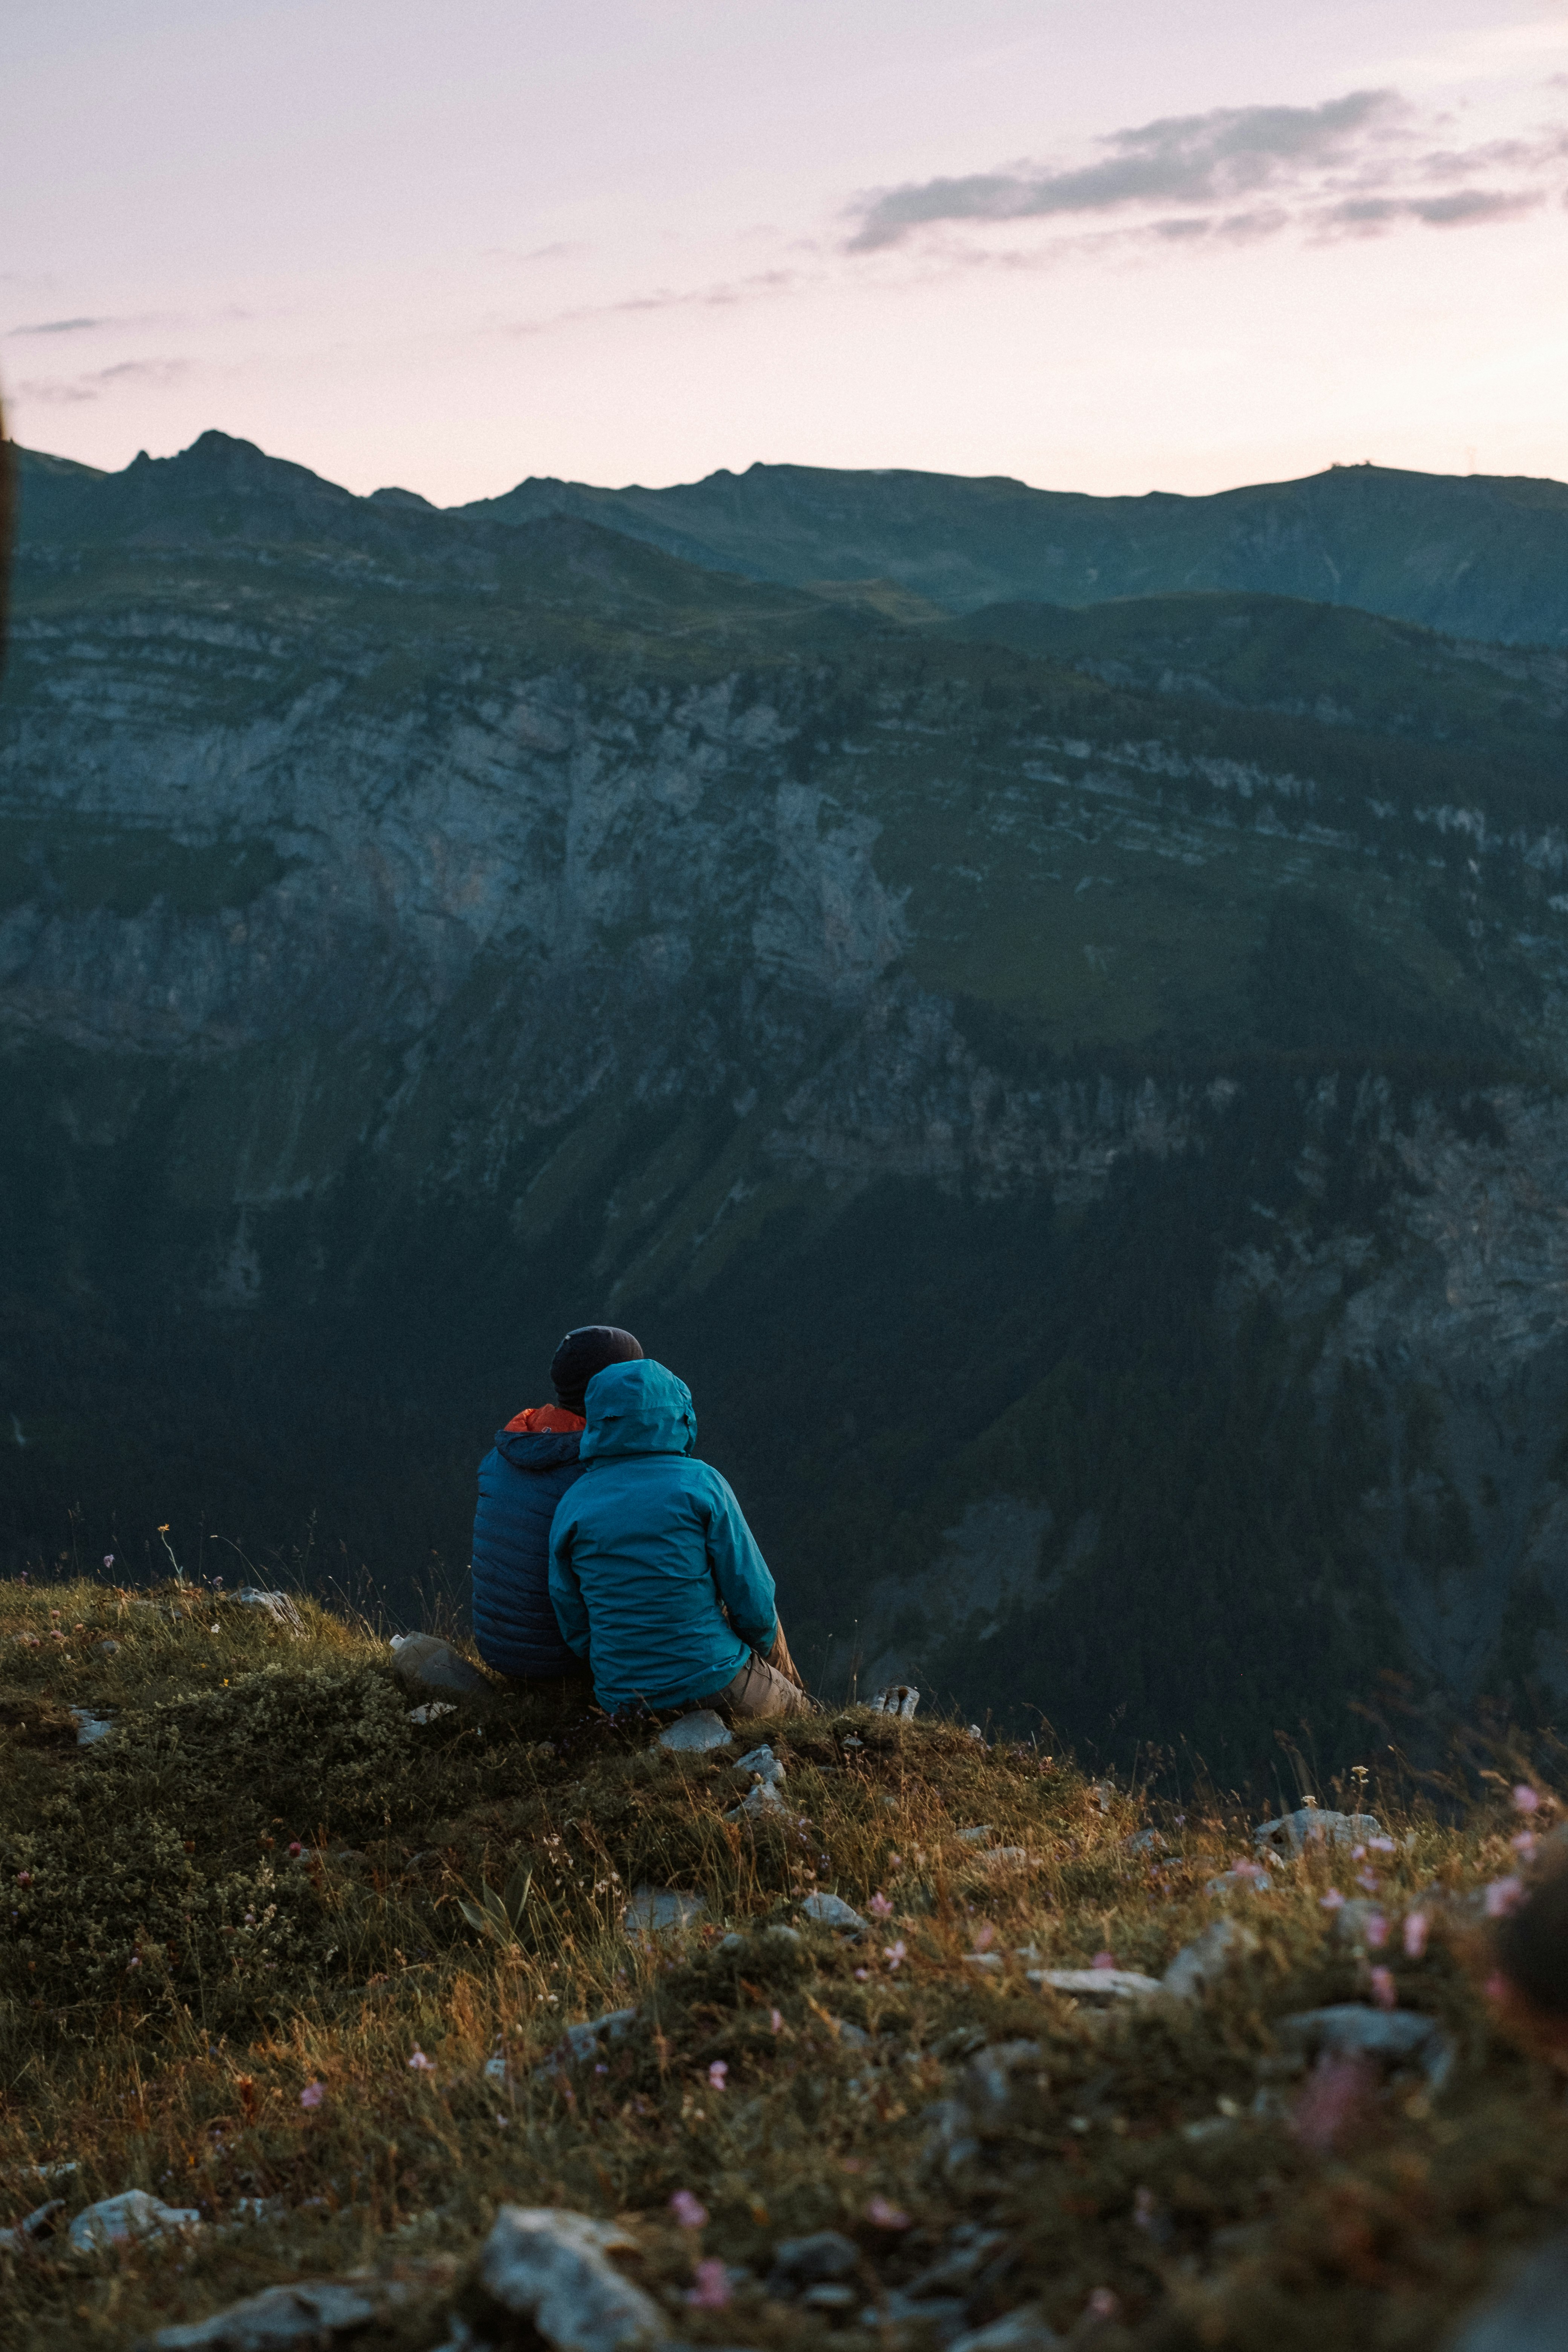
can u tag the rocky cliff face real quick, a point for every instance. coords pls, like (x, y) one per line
(1055, 1131)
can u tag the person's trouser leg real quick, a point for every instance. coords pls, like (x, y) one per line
(759, 1689)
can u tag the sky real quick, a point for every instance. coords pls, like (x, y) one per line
(1110, 245)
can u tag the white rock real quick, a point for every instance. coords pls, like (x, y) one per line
(830, 1911)
(991, 1962)
(976, 1831)
(277, 1605)
(758, 1801)
(89, 1728)
(132, 2216)
(762, 1763)
(1202, 1963)
(1530, 2315)
(899, 1698)
(1019, 2331)
(422, 1663)
(39, 2224)
(1395, 2036)
(433, 1710)
(1097, 1984)
(549, 2269)
(1144, 1842)
(696, 1734)
(1293, 1833)
(661, 1911)
(307, 2313)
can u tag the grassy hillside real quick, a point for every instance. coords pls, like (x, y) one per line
(234, 1972)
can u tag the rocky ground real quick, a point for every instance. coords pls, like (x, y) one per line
(347, 1995)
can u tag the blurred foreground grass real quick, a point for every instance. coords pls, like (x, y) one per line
(235, 1972)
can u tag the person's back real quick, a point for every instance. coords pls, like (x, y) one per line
(533, 1462)
(649, 1550)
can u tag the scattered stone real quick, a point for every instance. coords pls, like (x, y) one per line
(991, 1962)
(1293, 1833)
(826, 2256)
(831, 1911)
(421, 1663)
(131, 2217)
(731, 1943)
(1097, 1984)
(976, 1733)
(696, 1734)
(1530, 2315)
(661, 1911)
(108, 1647)
(1144, 1842)
(309, 2313)
(39, 2224)
(1397, 2036)
(899, 1698)
(1199, 1964)
(786, 1935)
(551, 2269)
(89, 1728)
(582, 2041)
(279, 1606)
(976, 1831)
(759, 1801)
(830, 2298)
(433, 1710)
(763, 1763)
(1023, 2330)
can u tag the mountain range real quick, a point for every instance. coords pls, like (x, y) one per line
(1050, 1011)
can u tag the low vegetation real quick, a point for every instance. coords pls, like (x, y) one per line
(246, 1963)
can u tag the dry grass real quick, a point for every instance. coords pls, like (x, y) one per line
(172, 1980)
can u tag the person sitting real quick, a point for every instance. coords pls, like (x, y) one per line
(649, 1550)
(533, 1462)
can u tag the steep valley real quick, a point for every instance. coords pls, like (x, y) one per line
(1078, 1095)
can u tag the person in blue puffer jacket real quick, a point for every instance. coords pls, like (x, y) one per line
(655, 1575)
(533, 1462)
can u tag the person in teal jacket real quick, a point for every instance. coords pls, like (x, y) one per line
(655, 1577)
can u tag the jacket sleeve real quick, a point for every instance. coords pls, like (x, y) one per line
(565, 1592)
(739, 1571)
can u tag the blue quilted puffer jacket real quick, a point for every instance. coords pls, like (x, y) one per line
(522, 1479)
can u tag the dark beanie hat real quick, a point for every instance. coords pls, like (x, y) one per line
(582, 1353)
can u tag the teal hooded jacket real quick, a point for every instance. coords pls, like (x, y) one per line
(646, 1546)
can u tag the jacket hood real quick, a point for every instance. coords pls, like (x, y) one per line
(530, 1449)
(638, 1408)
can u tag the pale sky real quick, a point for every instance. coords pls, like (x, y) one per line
(1097, 245)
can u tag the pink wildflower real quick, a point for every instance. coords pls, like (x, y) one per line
(1368, 1881)
(878, 1906)
(24, 1878)
(1334, 1900)
(313, 2094)
(894, 1954)
(690, 2211)
(1527, 1798)
(108, 1559)
(1525, 1844)
(1497, 1987)
(1415, 1927)
(861, 1975)
(419, 2064)
(1103, 1960)
(984, 1936)
(1503, 1896)
(1381, 1846)
(1104, 2304)
(1376, 1931)
(775, 2019)
(883, 2216)
(1383, 1990)
(718, 2074)
(712, 2289)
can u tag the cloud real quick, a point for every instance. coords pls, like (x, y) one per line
(59, 326)
(1181, 158)
(728, 294)
(60, 391)
(1364, 164)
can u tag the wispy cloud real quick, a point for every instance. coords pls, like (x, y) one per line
(59, 326)
(1362, 165)
(724, 295)
(62, 392)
